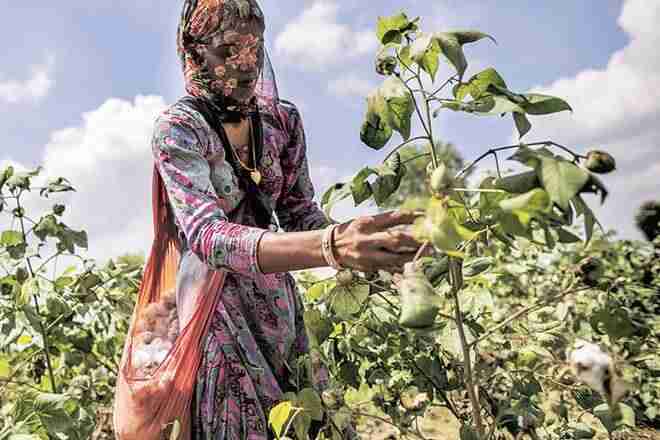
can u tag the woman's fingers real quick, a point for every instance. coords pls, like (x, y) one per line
(395, 241)
(393, 218)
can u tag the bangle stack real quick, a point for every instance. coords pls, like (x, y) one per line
(327, 247)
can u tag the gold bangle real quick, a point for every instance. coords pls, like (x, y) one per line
(327, 245)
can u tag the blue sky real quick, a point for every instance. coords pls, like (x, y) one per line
(81, 84)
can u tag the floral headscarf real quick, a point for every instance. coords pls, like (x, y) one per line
(205, 22)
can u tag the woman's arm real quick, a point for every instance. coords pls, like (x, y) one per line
(365, 244)
(362, 244)
(179, 155)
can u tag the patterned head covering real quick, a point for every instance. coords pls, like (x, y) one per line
(215, 23)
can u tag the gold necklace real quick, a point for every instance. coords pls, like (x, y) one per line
(255, 175)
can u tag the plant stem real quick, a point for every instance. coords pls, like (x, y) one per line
(442, 393)
(493, 151)
(456, 278)
(429, 125)
(288, 425)
(400, 146)
(415, 158)
(35, 300)
(525, 311)
(417, 110)
(451, 79)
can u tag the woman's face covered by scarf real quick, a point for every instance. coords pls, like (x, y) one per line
(222, 49)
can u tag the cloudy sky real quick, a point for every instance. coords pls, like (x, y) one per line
(82, 83)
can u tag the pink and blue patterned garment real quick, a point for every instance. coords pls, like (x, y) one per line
(257, 331)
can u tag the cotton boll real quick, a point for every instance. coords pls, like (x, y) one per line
(161, 344)
(591, 366)
(156, 310)
(161, 348)
(160, 328)
(140, 326)
(168, 299)
(173, 331)
(141, 358)
(143, 338)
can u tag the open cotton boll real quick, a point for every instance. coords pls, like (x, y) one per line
(160, 344)
(168, 299)
(591, 365)
(155, 311)
(144, 338)
(141, 358)
(161, 328)
(173, 331)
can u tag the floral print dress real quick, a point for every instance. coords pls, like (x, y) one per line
(257, 332)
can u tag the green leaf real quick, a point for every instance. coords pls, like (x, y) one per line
(278, 417)
(47, 227)
(390, 29)
(5, 369)
(590, 220)
(360, 187)
(536, 200)
(320, 290)
(388, 182)
(495, 105)
(376, 131)
(450, 339)
(513, 224)
(63, 282)
(5, 175)
(480, 83)
(562, 179)
(11, 238)
(614, 418)
(518, 183)
(565, 236)
(468, 433)
(615, 322)
(311, 401)
(522, 124)
(461, 90)
(318, 328)
(537, 104)
(451, 46)
(425, 51)
(334, 194)
(347, 300)
(399, 104)
(28, 289)
(581, 431)
(24, 340)
(477, 266)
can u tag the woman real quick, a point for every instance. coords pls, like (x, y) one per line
(229, 154)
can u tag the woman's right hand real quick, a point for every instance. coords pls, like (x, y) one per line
(370, 243)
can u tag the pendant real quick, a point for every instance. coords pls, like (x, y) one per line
(256, 176)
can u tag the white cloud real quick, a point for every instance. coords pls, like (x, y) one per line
(617, 109)
(350, 85)
(315, 40)
(31, 89)
(108, 161)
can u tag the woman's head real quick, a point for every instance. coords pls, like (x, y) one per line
(221, 46)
